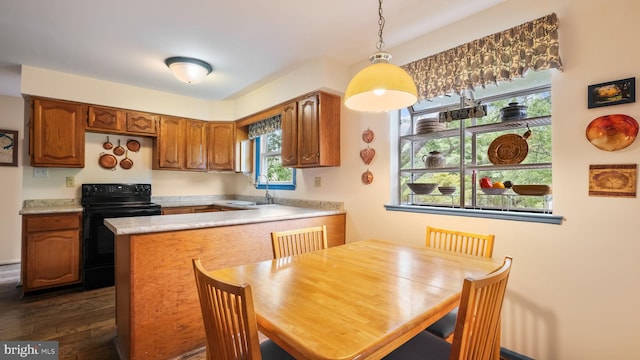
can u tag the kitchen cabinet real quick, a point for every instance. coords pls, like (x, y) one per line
(56, 133)
(141, 123)
(120, 121)
(195, 209)
(50, 250)
(181, 145)
(311, 131)
(196, 145)
(220, 146)
(105, 119)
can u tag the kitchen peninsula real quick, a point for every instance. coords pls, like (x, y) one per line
(157, 309)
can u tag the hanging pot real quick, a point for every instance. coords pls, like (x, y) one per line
(119, 150)
(107, 145)
(133, 145)
(107, 161)
(126, 163)
(509, 148)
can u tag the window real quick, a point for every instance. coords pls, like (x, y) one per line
(465, 145)
(269, 163)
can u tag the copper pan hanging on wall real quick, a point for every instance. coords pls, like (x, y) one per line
(119, 150)
(126, 163)
(107, 161)
(133, 145)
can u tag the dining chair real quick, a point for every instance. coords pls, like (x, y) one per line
(477, 326)
(298, 241)
(230, 320)
(460, 242)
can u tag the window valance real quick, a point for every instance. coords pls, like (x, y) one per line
(488, 60)
(265, 126)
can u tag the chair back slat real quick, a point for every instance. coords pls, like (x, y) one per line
(460, 241)
(478, 322)
(229, 317)
(298, 241)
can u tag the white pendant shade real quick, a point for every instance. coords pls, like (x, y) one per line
(380, 87)
(189, 70)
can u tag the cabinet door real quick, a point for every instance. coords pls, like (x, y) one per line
(221, 146)
(196, 145)
(105, 119)
(170, 146)
(142, 123)
(53, 258)
(289, 126)
(308, 132)
(57, 134)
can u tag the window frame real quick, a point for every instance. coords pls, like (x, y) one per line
(458, 209)
(260, 157)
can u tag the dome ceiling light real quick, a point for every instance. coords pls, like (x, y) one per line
(189, 70)
(380, 86)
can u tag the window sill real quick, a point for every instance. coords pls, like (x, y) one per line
(489, 214)
(276, 187)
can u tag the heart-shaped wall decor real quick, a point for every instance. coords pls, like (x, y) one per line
(367, 155)
(367, 136)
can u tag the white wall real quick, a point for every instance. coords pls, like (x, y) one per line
(11, 115)
(572, 291)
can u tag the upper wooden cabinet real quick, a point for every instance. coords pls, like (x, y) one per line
(142, 123)
(311, 131)
(196, 145)
(56, 133)
(221, 146)
(119, 121)
(181, 144)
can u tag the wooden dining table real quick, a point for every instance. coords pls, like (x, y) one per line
(360, 300)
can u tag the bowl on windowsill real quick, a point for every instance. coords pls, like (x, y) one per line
(422, 188)
(493, 191)
(447, 190)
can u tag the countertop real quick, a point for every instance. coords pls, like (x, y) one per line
(246, 214)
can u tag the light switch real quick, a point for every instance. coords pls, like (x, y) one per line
(317, 181)
(40, 172)
(71, 181)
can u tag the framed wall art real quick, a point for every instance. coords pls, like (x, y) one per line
(612, 93)
(8, 148)
(613, 180)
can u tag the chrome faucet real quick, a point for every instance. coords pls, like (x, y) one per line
(268, 199)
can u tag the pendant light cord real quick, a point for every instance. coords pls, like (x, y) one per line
(380, 44)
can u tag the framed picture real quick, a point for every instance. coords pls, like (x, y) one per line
(8, 148)
(613, 180)
(612, 93)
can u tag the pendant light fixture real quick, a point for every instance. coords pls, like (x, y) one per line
(189, 70)
(380, 86)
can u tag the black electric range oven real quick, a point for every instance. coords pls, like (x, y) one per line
(103, 201)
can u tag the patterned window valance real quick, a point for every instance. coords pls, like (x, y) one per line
(498, 57)
(264, 127)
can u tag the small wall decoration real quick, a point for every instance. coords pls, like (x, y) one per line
(612, 93)
(613, 180)
(8, 148)
(367, 156)
(612, 132)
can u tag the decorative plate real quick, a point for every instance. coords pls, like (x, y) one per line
(508, 149)
(612, 132)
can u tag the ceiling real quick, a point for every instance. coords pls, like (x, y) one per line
(248, 42)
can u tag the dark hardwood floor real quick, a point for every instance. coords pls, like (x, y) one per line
(83, 322)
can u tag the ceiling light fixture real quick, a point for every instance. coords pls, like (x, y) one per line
(380, 86)
(189, 70)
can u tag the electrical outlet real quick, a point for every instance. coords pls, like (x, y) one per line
(70, 181)
(40, 172)
(317, 181)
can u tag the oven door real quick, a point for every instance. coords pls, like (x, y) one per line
(98, 243)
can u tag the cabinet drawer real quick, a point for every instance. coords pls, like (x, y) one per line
(52, 222)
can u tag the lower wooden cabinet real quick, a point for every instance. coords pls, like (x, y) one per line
(51, 250)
